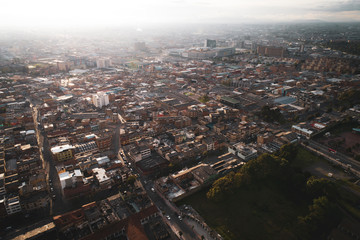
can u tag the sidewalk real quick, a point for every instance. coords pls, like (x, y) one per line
(199, 229)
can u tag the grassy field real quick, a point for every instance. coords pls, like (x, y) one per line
(263, 212)
(305, 158)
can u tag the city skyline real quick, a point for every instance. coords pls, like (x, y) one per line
(179, 119)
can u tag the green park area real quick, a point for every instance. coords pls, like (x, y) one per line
(264, 212)
(272, 198)
(304, 158)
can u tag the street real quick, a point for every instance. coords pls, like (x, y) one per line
(335, 157)
(57, 204)
(169, 209)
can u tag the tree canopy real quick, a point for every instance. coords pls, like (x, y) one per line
(271, 115)
(204, 98)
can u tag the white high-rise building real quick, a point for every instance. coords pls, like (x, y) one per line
(100, 99)
(103, 63)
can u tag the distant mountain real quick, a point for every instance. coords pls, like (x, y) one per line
(309, 21)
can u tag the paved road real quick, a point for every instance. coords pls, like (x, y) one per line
(170, 210)
(336, 158)
(57, 205)
(199, 229)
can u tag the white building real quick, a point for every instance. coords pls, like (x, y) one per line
(302, 131)
(2, 184)
(102, 178)
(102, 160)
(66, 179)
(103, 63)
(245, 152)
(100, 99)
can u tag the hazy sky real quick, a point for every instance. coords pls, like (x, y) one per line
(141, 12)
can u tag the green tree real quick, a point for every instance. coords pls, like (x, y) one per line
(204, 98)
(271, 114)
(131, 179)
(298, 180)
(322, 216)
(349, 98)
(288, 151)
(264, 166)
(320, 186)
(215, 193)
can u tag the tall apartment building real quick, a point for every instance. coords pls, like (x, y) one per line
(140, 46)
(210, 43)
(100, 99)
(103, 63)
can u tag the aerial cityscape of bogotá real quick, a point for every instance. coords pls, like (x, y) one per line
(187, 121)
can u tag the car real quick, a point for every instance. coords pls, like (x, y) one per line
(168, 217)
(180, 218)
(53, 196)
(51, 189)
(152, 189)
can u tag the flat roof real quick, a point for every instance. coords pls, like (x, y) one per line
(231, 100)
(101, 174)
(64, 175)
(61, 148)
(302, 129)
(285, 100)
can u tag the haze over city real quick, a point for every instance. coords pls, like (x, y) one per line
(141, 13)
(179, 120)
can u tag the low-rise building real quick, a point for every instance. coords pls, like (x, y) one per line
(63, 152)
(302, 131)
(12, 205)
(244, 152)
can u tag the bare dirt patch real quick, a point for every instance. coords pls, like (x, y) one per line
(346, 142)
